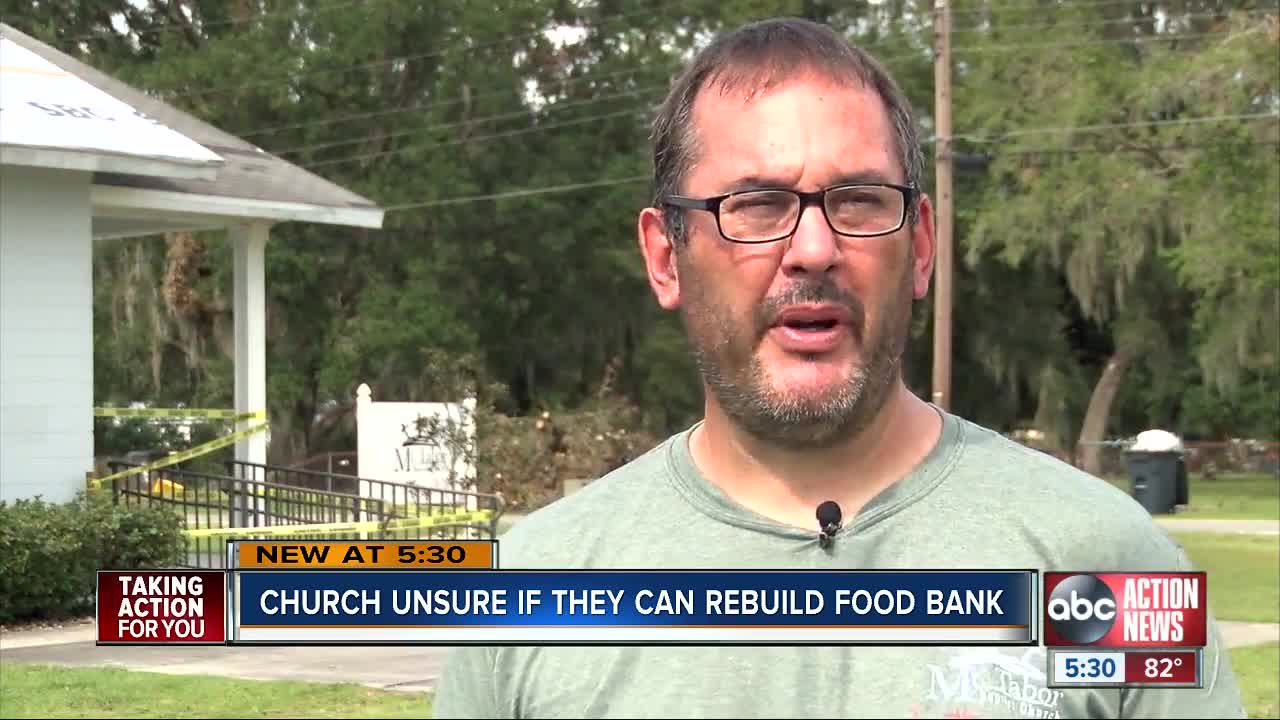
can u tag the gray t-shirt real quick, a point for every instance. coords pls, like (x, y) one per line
(977, 501)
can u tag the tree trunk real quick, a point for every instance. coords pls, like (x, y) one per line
(1094, 428)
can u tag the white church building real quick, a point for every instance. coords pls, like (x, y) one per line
(84, 157)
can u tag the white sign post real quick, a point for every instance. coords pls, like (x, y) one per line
(427, 445)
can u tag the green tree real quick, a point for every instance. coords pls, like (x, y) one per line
(1105, 192)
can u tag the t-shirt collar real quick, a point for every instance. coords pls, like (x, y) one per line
(709, 499)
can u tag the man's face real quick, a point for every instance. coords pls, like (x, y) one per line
(799, 341)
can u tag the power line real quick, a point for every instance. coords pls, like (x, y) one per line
(635, 110)
(400, 59)
(1119, 125)
(329, 7)
(980, 49)
(1039, 6)
(172, 26)
(1109, 150)
(478, 138)
(523, 192)
(605, 182)
(1087, 24)
(456, 101)
(431, 104)
(577, 121)
(518, 36)
(388, 111)
(507, 92)
(525, 112)
(408, 58)
(345, 68)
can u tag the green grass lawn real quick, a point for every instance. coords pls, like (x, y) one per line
(1257, 669)
(31, 691)
(1228, 497)
(1243, 573)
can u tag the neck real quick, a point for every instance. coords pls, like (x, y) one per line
(786, 484)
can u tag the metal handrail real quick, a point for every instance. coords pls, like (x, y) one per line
(241, 500)
(395, 495)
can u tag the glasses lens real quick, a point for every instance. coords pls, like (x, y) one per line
(758, 215)
(865, 210)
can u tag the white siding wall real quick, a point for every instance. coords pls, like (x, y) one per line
(46, 333)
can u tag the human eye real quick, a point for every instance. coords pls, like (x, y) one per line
(864, 209)
(757, 213)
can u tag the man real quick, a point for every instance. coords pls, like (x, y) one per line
(790, 233)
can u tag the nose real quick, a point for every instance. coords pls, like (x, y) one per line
(813, 249)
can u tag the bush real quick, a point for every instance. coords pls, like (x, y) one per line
(50, 552)
(528, 459)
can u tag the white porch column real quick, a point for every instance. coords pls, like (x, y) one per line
(249, 241)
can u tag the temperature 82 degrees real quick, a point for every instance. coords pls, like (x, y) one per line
(1180, 668)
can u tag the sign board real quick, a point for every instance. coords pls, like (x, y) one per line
(44, 106)
(426, 444)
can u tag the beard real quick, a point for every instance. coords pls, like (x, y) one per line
(726, 351)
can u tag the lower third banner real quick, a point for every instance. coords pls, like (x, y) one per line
(168, 607)
(512, 607)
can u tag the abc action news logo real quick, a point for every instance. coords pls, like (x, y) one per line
(1125, 609)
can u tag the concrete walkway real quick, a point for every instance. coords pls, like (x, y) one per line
(1250, 527)
(387, 668)
(1244, 634)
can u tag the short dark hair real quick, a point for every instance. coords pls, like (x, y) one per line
(766, 53)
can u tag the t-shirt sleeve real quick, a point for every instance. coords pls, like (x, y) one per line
(468, 685)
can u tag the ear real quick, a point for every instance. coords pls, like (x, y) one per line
(659, 258)
(924, 246)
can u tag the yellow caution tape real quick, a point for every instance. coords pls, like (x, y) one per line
(184, 455)
(344, 527)
(181, 413)
(163, 484)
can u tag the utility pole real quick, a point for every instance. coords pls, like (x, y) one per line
(945, 212)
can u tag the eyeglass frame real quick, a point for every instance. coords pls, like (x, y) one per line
(817, 197)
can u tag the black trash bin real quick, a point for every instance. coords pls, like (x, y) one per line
(1158, 479)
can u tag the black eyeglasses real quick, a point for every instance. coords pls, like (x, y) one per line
(767, 215)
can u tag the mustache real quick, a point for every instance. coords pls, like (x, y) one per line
(817, 292)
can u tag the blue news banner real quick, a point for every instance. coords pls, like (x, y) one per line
(578, 607)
